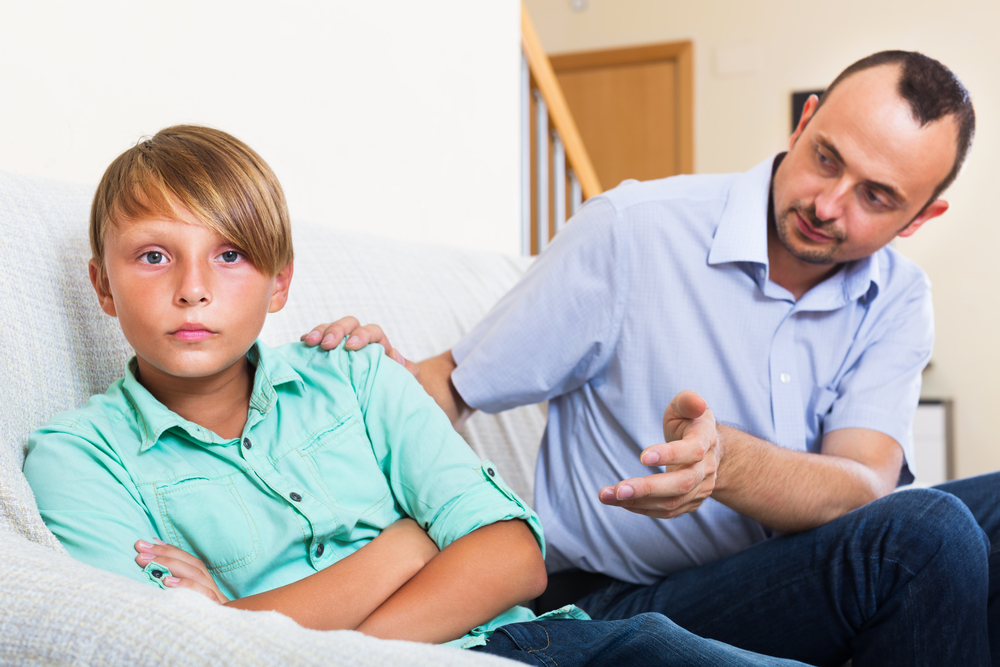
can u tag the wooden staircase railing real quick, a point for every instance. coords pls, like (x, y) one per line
(556, 173)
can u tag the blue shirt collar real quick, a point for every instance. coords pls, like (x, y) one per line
(742, 237)
(153, 418)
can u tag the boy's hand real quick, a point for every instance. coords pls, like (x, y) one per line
(187, 571)
(328, 336)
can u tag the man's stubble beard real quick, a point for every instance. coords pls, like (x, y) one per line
(786, 226)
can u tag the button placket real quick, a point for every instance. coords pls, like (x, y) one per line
(786, 396)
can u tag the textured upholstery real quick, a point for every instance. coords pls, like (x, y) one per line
(59, 348)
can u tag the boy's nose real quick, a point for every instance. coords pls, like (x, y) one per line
(193, 290)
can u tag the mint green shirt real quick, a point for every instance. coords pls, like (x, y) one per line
(337, 446)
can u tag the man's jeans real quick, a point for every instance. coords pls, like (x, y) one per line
(646, 639)
(904, 580)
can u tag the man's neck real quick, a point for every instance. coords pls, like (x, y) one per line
(218, 402)
(784, 268)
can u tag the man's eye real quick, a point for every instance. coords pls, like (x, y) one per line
(873, 197)
(230, 256)
(153, 257)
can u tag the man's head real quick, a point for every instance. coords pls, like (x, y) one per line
(868, 161)
(192, 248)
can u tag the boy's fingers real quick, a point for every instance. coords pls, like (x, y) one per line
(179, 582)
(169, 550)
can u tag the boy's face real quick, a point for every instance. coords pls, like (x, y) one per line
(187, 300)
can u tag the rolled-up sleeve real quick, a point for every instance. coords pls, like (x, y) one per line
(87, 500)
(434, 475)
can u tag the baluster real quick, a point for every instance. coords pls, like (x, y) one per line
(559, 181)
(542, 170)
(525, 157)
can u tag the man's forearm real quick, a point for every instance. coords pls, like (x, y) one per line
(793, 491)
(342, 595)
(473, 580)
(435, 377)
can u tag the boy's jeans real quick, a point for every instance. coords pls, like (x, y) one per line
(646, 639)
(903, 580)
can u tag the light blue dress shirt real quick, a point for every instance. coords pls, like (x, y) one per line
(662, 286)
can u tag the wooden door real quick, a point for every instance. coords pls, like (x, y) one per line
(633, 107)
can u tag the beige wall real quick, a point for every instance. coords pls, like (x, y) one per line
(751, 54)
(398, 117)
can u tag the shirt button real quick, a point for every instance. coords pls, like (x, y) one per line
(786, 378)
(489, 471)
(319, 551)
(294, 496)
(246, 443)
(157, 573)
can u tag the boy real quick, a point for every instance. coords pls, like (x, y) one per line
(324, 485)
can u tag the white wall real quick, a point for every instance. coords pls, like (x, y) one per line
(787, 45)
(396, 117)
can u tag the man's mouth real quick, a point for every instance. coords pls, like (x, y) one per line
(809, 231)
(192, 333)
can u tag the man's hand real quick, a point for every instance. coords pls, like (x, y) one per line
(187, 571)
(328, 336)
(692, 453)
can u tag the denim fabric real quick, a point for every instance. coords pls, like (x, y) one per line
(980, 494)
(646, 639)
(900, 581)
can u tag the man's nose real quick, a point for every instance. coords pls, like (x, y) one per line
(193, 288)
(831, 201)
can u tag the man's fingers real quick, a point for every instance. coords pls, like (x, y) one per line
(686, 405)
(329, 335)
(665, 490)
(694, 447)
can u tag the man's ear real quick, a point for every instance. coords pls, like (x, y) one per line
(808, 109)
(280, 294)
(931, 211)
(99, 279)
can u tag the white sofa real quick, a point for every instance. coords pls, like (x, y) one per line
(57, 348)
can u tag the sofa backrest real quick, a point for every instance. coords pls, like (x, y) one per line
(59, 348)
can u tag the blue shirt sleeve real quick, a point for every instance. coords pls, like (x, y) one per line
(881, 390)
(434, 475)
(557, 327)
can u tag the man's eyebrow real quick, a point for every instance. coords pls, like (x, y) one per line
(890, 192)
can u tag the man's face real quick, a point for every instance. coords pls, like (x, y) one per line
(189, 302)
(859, 173)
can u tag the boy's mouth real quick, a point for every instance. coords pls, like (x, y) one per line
(192, 333)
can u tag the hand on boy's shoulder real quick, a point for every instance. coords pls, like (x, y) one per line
(329, 336)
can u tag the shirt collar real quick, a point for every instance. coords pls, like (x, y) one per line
(742, 235)
(154, 418)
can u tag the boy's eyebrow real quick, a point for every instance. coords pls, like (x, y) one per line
(892, 193)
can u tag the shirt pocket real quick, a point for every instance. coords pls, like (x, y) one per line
(344, 466)
(209, 518)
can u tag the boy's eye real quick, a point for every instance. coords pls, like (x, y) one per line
(230, 256)
(153, 257)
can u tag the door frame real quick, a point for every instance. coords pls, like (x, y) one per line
(681, 52)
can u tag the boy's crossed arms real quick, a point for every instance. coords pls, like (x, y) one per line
(388, 588)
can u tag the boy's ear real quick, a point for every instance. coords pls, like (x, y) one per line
(99, 279)
(280, 294)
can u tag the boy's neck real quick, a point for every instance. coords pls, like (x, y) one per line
(218, 402)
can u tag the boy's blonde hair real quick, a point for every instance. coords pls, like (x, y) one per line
(217, 177)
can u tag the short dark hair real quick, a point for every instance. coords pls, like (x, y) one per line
(932, 90)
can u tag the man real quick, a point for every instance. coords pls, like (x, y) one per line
(772, 294)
